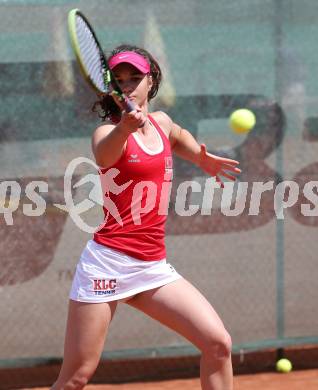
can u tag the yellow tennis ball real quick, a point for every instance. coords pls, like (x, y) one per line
(242, 120)
(284, 365)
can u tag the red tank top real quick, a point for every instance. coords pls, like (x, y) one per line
(136, 199)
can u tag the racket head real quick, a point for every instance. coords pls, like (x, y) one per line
(88, 52)
(90, 56)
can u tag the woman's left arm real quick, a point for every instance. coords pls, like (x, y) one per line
(185, 146)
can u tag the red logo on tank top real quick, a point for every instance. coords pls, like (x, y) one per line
(168, 163)
(168, 168)
(133, 158)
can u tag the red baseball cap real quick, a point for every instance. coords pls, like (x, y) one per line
(130, 57)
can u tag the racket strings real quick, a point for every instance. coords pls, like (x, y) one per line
(90, 52)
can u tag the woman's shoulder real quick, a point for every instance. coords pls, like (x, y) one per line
(163, 120)
(106, 124)
(161, 116)
(103, 128)
(101, 131)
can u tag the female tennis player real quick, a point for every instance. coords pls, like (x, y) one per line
(126, 259)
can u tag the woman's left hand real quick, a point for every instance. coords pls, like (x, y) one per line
(217, 166)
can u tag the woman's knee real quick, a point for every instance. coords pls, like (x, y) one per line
(225, 346)
(75, 381)
(79, 380)
(218, 347)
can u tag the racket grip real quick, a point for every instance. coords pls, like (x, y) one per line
(128, 105)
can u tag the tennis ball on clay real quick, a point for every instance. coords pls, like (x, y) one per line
(284, 365)
(242, 121)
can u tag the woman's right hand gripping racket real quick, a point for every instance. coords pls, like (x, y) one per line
(91, 58)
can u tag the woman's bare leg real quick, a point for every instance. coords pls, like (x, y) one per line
(181, 307)
(86, 330)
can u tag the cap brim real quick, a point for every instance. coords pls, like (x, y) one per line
(134, 59)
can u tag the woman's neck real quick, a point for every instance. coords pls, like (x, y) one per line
(144, 129)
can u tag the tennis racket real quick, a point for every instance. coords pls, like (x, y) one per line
(91, 58)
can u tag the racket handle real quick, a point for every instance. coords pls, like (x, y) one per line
(128, 105)
(124, 101)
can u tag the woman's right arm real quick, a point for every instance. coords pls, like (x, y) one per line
(108, 141)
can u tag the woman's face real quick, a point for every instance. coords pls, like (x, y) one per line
(134, 84)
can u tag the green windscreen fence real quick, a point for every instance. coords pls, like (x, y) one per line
(252, 251)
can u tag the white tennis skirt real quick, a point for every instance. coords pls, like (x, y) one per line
(104, 274)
